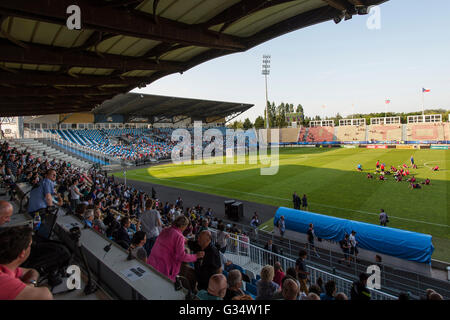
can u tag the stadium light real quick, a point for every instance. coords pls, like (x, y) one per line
(338, 18)
(362, 10)
(347, 15)
(266, 72)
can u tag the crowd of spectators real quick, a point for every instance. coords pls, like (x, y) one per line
(175, 240)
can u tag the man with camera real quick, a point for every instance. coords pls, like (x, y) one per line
(41, 197)
(18, 283)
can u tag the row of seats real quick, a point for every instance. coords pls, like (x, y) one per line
(392, 132)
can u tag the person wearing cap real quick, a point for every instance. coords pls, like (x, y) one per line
(359, 289)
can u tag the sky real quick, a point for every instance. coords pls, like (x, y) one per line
(330, 68)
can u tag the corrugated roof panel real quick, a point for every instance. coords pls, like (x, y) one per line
(103, 71)
(75, 70)
(206, 10)
(45, 32)
(72, 38)
(138, 73)
(263, 19)
(11, 65)
(179, 9)
(104, 46)
(21, 29)
(114, 85)
(89, 71)
(47, 67)
(140, 48)
(163, 5)
(183, 54)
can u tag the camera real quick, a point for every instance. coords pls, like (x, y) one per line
(75, 233)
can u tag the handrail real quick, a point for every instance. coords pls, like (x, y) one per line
(252, 253)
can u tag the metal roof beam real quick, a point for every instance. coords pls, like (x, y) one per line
(40, 54)
(51, 79)
(131, 23)
(46, 91)
(341, 5)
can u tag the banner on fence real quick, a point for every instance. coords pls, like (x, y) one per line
(440, 147)
(376, 147)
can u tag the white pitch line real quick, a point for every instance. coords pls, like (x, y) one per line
(277, 198)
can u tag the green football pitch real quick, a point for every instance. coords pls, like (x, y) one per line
(334, 187)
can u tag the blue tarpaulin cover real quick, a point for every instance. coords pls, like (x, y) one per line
(398, 243)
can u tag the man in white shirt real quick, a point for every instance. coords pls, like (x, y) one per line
(353, 243)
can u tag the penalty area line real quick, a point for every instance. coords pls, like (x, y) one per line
(277, 198)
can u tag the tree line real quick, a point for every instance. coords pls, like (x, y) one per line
(277, 117)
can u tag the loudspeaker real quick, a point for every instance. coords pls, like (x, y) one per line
(237, 211)
(228, 204)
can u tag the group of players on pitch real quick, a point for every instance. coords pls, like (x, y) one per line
(400, 173)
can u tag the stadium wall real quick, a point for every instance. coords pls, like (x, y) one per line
(406, 245)
(77, 118)
(101, 118)
(49, 119)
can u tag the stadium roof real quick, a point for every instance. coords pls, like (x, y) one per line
(144, 105)
(45, 68)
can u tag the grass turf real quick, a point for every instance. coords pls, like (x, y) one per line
(333, 186)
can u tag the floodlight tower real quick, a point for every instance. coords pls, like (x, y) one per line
(266, 72)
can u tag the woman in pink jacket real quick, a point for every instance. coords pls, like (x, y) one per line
(168, 251)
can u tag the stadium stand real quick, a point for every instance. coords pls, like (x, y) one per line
(136, 143)
(390, 132)
(425, 132)
(289, 135)
(302, 134)
(351, 133)
(447, 131)
(320, 134)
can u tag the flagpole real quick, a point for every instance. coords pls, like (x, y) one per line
(423, 105)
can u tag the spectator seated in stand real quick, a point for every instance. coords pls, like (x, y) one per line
(290, 290)
(266, 287)
(137, 246)
(340, 296)
(217, 288)
(18, 283)
(89, 218)
(234, 280)
(330, 291)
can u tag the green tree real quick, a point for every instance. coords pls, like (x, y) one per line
(247, 124)
(259, 123)
(237, 125)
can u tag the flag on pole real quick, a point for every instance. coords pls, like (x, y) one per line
(426, 90)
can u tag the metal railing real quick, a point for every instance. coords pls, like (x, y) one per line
(253, 258)
(393, 279)
(54, 138)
